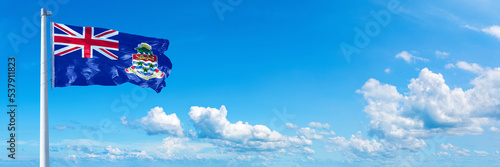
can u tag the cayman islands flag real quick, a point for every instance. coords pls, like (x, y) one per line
(85, 56)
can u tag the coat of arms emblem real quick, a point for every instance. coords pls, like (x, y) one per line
(144, 63)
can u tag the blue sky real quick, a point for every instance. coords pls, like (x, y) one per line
(423, 89)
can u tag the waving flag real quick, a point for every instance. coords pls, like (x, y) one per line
(98, 56)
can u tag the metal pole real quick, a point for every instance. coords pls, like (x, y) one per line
(44, 120)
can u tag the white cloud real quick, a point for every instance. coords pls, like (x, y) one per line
(124, 120)
(409, 57)
(493, 30)
(92, 155)
(141, 155)
(475, 68)
(471, 27)
(307, 150)
(192, 134)
(111, 157)
(441, 54)
(63, 127)
(72, 158)
(327, 133)
(170, 148)
(457, 150)
(449, 65)
(180, 147)
(387, 70)
(463, 152)
(357, 145)
(171, 145)
(313, 134)
(430, 107)
(83, 148)
(481, 153)
(213, 125)
(448, 146)
(113, 154)
(245, 157)
(114, 151)
(494, 129)
(157, 122)
(443, 154)
(319, 125)
(291, 126)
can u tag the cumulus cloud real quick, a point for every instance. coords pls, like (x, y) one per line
(180, 147)
(387, 70)
(291, 126)
(157, 122)
(319, 125)
(357, 145)
(441, 54)
(492, 30)
(494, 129)
(472, 67)
(171, 145)
(212, 124)
(113, 151)
(431, 107)
(409, 57)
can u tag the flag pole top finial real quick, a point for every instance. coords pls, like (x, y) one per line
(45, 12)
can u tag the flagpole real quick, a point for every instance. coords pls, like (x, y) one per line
(44, 123)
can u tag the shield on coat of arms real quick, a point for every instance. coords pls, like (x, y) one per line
(144, 64)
